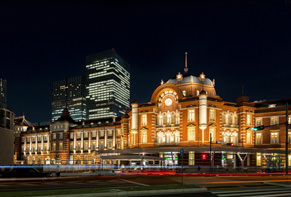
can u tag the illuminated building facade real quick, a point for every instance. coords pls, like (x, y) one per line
(69, 93)
(3, 93)
(183, 112)
(108, 85)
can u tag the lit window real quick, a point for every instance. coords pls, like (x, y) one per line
(191, 115)
(259, 138)
(259, 159)
(61, 146)
(144, 136)
(110, 133)
(86, 134)
(60, 136)
(54, 146)
(160, 120)
(249, 137)
(259, 121)
(191, 133)
(168, 118)
(211, 114)
(274, 137)
(191, 158)
(143, 119)
(274, 120)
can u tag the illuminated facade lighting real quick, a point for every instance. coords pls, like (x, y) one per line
(108, 85)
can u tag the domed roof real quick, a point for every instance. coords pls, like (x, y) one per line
(187, 78)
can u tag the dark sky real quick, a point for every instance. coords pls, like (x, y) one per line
(235, 42)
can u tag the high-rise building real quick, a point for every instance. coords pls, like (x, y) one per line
(3, 98)
(69, 93)
(108, 85)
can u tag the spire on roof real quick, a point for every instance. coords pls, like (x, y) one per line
(66, 116)
(186, 66)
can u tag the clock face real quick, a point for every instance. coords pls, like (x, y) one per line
(168, 102)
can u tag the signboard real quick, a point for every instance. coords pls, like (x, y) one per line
(182, 151)
(219, 142)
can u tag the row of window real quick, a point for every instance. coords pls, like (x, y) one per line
(274, 120)
(168, 118)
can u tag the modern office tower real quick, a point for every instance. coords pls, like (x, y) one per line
(69, 93)
(108, 85)
(3, 98)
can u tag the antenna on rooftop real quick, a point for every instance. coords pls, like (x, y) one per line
(186, 66)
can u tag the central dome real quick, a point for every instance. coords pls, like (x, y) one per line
(190, 79)
(191, 85)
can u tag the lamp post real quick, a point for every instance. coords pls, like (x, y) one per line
(287, 140)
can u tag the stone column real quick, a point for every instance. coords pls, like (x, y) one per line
(97, 140)
(202, 112)
(42, 144)
(113, 140)
(82, 142)
(105, 139)
(89, 136)
(75, 142)
(48, 143)
(30, 145)
(24, 148)
(36, 142)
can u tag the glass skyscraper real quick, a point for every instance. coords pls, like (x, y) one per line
(3, 92)
(108, 85)
(70, 93)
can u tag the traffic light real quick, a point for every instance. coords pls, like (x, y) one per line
(230, 144)
(261, 127)
(203, 156)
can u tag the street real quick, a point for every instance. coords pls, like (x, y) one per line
(217, 185)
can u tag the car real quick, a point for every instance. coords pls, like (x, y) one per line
(23, 172)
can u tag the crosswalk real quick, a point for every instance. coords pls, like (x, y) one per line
(262, 192)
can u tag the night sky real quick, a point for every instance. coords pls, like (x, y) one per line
(235, 42)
